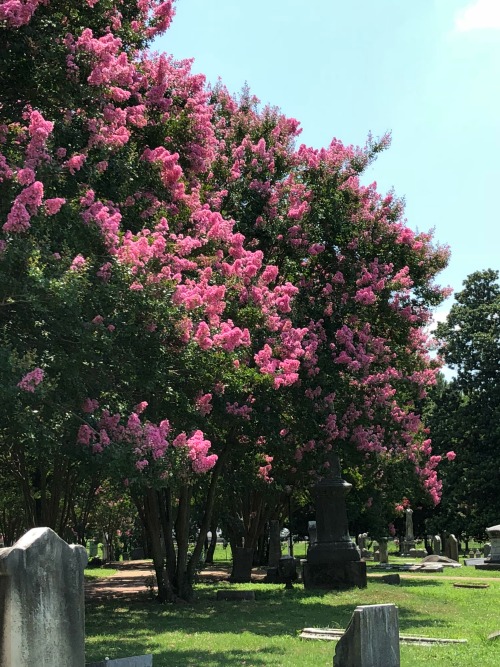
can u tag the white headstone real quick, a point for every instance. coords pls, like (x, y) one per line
(494, 535)
(42, 602)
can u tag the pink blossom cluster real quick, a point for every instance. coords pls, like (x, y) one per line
(17, 13)
(197, 448)
(31, 380)
(147, 441)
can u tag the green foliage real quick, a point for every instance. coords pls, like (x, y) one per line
(464, 414)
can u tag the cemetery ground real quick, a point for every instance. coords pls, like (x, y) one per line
(210, 633)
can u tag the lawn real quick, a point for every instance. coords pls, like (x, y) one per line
(207, 633)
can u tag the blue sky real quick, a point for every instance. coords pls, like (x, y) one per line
(427, 71)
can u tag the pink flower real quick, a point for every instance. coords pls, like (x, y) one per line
(26, 176)
(90, 405)
(451, 456)
(31, 380)
(18, 219)
(78, 263)
(75, 163)
(53, 206)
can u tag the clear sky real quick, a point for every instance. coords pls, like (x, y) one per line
(428, 71)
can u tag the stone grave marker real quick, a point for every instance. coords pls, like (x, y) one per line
(371, 639)
(42, 602)
(436, 545)
(452, 543)
(313, 533)
(274, 543)
(383, 548)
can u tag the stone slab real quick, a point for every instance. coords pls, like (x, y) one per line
(392, 579)
(488, 566)
(331, 634)
(473, 561)
(335, 576)
(134, 661)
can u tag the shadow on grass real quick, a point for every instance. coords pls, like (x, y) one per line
(135, 626)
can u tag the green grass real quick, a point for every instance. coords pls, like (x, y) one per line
(98, 572)
(207, 633)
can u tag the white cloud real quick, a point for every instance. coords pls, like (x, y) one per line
(480, 15)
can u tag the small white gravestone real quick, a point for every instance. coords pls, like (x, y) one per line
(371, 639)
(42, 602)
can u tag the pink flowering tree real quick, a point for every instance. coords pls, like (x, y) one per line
(129, 300)
(356, 338)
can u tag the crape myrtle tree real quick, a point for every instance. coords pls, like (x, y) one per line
(182, 289)
(116, 311)
(365, 289)
(465, 412)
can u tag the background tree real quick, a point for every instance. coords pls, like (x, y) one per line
(465, 412)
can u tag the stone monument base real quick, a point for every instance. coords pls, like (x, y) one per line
(339, 575)
(488, 566)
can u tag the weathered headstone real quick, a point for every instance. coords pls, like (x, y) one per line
(371, 639)
(452, 544)
(274, 543)
(383, 550)
(486, 549)
(410, 537)
(41, 602)
(362, 539)
(313, 533)
(436, 545)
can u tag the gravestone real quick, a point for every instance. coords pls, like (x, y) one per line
(409, 541)
(494, 535)
(492, 562)
(452, 544)
(371, 639)
(334, 562)
(274, 543)
(42, 602)
(436, 545)
(383, 548)
(486, 549)
(137, 554)
(313, 534)
(362, 539)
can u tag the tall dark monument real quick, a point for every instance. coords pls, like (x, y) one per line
(334, 561)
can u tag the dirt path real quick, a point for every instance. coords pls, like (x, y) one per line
(136, 580)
